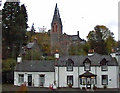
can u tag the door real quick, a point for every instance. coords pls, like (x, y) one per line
(88, 83)
(29, 79)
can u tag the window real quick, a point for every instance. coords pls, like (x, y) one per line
(69, 68)
(104, 79)
(70, 80)
(87, 66)
(83, 81)
(21, 78)
(70, 64)
(93, 80)
(104, 68)
(42, 80)
(103, 64)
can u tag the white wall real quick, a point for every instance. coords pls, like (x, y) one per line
(112, 74)
(63, 73)
(49, 78)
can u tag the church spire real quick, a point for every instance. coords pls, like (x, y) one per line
(56, 15)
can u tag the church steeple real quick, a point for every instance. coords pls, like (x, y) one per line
(56, 16)
(56, 30)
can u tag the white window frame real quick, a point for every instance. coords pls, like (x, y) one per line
(21, 78)
(104, 81)
(41, 79)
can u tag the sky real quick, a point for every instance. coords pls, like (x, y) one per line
(76, 15)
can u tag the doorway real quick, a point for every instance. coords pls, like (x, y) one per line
(29, 79)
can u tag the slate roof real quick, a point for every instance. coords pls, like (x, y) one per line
(49, 66)
(35, 66)
(95, 60)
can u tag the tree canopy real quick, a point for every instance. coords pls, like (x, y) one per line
(14, 18)
(101, 39)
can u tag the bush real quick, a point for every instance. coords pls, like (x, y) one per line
(70, 85)
(105, 86)
(8, 64)
(94, 87)
(83, 88)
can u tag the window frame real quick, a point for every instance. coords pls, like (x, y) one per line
(106, 79)
(102, 68)
(85, 66)
(104, 63)
(41, 83)
(20, 78)
(69, 65)
(87, 61)
(70, 76)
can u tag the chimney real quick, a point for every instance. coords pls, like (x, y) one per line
(78, 33)
(19, 59)
(57, 55)
(91, 52)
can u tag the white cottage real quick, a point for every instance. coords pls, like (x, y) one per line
(76, 71)
(34, 73)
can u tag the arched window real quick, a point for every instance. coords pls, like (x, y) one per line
(87, 64)
(69, 65)
(103, 65)
(55, 27)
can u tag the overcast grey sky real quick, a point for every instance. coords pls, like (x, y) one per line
(76, 15)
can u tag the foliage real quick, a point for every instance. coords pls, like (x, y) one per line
(101, 39)
(43, 40)
(78, 49)
(33, 54)
(14, 28)
(8, 64)
(22, 89)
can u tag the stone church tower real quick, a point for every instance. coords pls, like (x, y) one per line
(56, 31)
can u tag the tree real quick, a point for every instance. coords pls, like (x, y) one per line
(14, 28)
(32, 31)
(98, 39)
(8, 64)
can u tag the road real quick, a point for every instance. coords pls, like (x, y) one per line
(8, 88)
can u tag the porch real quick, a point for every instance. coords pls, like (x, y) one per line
(87, 80)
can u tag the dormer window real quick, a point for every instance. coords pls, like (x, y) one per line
(69, 64)
(103, 64)
(87, 64)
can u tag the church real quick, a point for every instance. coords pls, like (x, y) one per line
(60, 41)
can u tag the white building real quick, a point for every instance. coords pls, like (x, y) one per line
(76, 71)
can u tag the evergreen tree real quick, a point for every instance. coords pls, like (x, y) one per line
(13, 27)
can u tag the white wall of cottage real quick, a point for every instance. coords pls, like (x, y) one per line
(113, 77)
(61, 74)
(49, 78)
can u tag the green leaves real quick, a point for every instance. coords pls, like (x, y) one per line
(8, 64)
(14, 18)
(101, 39)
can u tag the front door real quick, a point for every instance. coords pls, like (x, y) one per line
(29, 79)
(88, 83)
